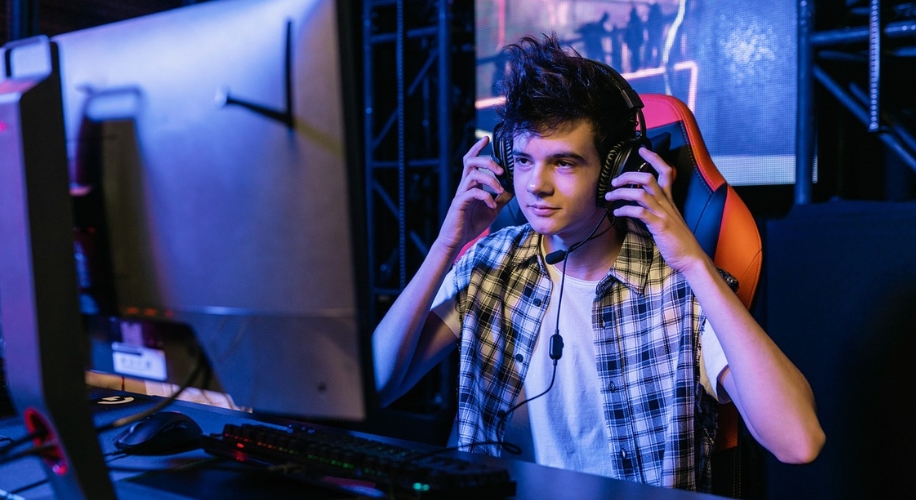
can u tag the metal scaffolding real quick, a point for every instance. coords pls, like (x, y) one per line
(874, 41)
(418, 121)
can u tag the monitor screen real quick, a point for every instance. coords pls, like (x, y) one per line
(732, 63)
(208, 168)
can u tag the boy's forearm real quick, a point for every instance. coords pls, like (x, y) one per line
(773, 395)
(395, 339)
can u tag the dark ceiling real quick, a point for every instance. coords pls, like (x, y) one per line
(61, 16)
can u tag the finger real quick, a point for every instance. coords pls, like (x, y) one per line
(477, 147)
(666, 173)
(633, 179)
(628, 195)
(476, 162)
(649, 197)
(635, 211)
(477, 194)
(482, 179)
(470, 159)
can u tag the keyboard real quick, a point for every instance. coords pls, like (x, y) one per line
(370, 467)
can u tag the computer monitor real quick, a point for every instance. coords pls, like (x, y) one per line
(208, 167)
(39, 312)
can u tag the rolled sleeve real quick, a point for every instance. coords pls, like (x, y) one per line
(444, 305)
(713, 363)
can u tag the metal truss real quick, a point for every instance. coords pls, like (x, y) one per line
(876, 41)
(418, 121)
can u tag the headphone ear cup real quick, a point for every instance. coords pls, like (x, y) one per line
(502, 154)
(624, 157)
(609, 170)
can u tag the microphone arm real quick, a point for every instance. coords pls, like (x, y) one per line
(560, 255)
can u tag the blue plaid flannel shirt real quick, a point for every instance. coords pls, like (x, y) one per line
(646, 322)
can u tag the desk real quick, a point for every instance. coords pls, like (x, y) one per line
(197, 475)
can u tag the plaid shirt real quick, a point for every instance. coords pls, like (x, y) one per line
(646, 323)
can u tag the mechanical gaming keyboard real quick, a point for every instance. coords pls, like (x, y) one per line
(339, 460)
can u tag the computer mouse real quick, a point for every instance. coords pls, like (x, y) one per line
(161, 433)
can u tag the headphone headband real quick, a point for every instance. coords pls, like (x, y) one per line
(627, 94)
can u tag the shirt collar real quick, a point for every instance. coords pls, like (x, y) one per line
(634, 260)
(631, 267)
(529, 247)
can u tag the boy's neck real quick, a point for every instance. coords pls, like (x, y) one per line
(593, 259)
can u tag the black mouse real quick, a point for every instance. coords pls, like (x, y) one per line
(161, 433)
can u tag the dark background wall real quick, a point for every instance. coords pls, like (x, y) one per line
(53, 17)
(840, 288)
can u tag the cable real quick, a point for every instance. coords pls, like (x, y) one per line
(556, 341)
(211, 463)
(160, 405)
(35, 450)
(553, 377)
(558, 255)
(24, 488)
(24, 439)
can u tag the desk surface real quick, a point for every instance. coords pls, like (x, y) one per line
(197, 475)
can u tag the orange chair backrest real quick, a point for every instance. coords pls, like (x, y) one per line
(713, 210)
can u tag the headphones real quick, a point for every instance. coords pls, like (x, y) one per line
(622, 157)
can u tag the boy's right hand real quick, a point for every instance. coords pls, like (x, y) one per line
(477, 201)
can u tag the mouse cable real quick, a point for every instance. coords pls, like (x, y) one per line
(6, 448)
(13, 494)
(34, 450)
(211, 463)
(198, 368)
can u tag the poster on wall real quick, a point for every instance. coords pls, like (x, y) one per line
(733, 62)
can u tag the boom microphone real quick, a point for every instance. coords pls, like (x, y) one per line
(560, 255)
(554, 257)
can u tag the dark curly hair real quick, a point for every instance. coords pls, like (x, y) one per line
(546, 86)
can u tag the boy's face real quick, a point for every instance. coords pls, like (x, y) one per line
(556, 178)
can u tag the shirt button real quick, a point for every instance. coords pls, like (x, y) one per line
(612, 387)
(519, 358)
(537, 302)
(623, 453)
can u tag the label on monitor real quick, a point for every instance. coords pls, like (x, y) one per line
(138, 361)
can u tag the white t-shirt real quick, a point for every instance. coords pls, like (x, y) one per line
(565, 427)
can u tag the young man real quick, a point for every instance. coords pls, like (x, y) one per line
(651, 332)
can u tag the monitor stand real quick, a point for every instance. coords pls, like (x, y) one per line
(39, 302)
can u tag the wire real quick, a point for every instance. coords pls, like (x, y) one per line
(35, 450)
(505, 417)
(508, 446)
(160, 405)
(24, 439)
(211, 463)
(23, 488)
(555, 349)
